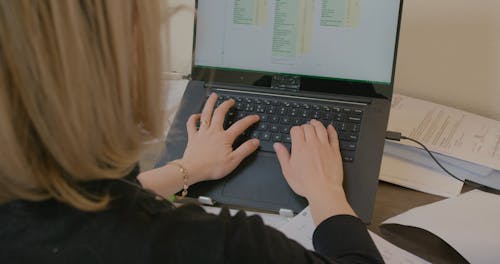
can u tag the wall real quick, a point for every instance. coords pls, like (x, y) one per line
(181, 37)
(449, 52)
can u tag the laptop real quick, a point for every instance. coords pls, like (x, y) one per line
(289, 62)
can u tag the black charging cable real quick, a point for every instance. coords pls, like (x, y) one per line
(397, 136)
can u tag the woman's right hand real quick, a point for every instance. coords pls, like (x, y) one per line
(314, 169)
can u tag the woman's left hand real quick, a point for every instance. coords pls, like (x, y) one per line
(209, 154)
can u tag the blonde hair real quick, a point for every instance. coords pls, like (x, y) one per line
(80, 92)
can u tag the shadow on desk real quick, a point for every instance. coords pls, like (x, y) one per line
(421, 243)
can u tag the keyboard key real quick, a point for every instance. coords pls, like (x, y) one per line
(282, 110)
(255, 134)
(263, 127)
(339, 117)
(238, 106)
(353, 119)
(274, 128)
(285, 120)
(260, 108)
(276, 137)
(274, 119)
(348, 137)
(266, 136)
(285, 129)
(347, 110)
(347, 145)
(241, 115)
(270, 109)
(347, 156)
(358, 111)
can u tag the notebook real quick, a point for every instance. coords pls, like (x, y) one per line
(289, 62)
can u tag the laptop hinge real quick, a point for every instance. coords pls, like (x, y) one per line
(285, 83)
(205, 200)
(286, 212)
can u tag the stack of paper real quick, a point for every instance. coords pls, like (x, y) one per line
(467, 144)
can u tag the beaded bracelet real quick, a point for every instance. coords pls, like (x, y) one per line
(184, 173)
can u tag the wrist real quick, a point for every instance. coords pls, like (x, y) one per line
(194, 173)
(325, 204)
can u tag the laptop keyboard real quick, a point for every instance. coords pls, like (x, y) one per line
(278, 115)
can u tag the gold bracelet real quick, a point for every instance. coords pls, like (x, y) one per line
(184, 172)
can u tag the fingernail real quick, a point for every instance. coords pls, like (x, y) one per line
(255, 142)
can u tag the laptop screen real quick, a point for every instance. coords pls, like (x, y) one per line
(351, 40)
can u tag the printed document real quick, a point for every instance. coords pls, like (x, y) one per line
(447, 130)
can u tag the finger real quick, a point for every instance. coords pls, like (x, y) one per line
(309, 132)
(191, 124)
(220, 113)
(244, 150)
(333, 137)
(297, 135)
(241, 125)
(320, 130)
(283, 157)
(208, 109)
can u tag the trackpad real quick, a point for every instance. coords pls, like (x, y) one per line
(258, 179)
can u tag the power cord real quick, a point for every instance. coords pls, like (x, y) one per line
(397, 136)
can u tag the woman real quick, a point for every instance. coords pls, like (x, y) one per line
(79, 95)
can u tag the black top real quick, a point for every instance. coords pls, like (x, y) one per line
(137, 228)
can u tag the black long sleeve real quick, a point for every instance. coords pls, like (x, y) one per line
(246, 239)
(137, 228)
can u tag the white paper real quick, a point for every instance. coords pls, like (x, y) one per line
(274, 220)
(469, 223)
(400, 166)
(392, 254)
(447, 130)
(301, 229)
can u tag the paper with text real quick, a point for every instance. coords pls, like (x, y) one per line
(447, 130)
